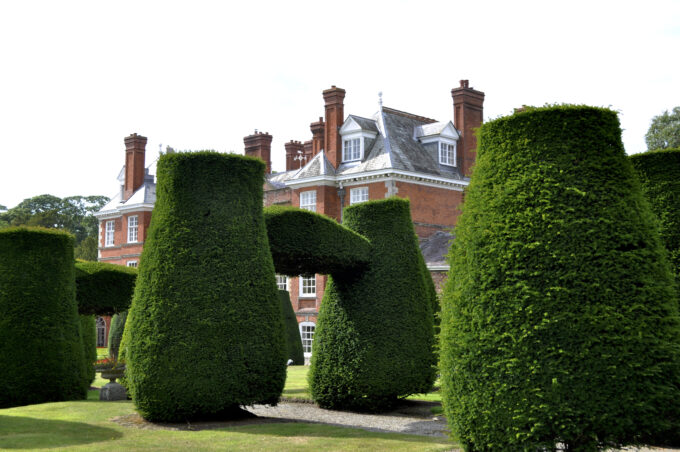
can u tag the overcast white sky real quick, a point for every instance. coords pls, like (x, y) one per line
(77, 77)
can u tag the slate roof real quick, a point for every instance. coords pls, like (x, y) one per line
(436, 247)
(146, 194)
(395, 147)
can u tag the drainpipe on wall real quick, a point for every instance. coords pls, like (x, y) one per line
(341, 195)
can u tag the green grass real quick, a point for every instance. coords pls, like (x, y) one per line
(86, 425)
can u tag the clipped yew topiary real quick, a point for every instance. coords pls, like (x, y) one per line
(303, 242)
(41, 349)
(659, 173)
(205, 333)
(88, 331)
(293, 340)
(116, 333)
(374, 340)
(104, 289)
(559, 321)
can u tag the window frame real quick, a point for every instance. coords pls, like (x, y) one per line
(307, 337)
(279, 283)
(359, 149)
(311, 206)
(356, 191)
(133, 264)
(133, 228)
(109, 232)
(301, 283)
(450, 147)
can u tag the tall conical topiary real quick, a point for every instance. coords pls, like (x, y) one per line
(659, 173)
(559, 321)
(374, 340)
(204, 334)
(41, 348)
(293, 340)
(116, 333)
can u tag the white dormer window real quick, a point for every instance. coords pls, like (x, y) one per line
(447, 153)
(351, 149)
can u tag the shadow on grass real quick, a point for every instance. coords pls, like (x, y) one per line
(318, 430)
(295, 391)
(18, 432)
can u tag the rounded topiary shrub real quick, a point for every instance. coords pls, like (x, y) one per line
(88, 330)
(104, 289)
(116, 333)
(374, 341)
(205, 332)
(659, 173)
(41, 348)
(293, 340)
(559, 321)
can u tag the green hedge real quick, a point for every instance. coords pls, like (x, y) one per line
(116, 333)
(304, 242)
(104, 289)
(559, 321)
(88, 330)
(659, 173)
(293, 339)
(205, 332)
(374, 340)
(41, 348)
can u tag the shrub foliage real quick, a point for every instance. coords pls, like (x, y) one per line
(104, 289)
(659, 173)
(559, 322)
(205, 331)
(116, 333)
(304, 242)
(88, 330)
(293, 340)
(374, 340)
(41, 348)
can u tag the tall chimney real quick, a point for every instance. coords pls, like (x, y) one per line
(259, 144)
(293, 158)
(135, 147)
(318, 129)
(333, 98)
(467, 116)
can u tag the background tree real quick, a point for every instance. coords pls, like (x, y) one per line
(664, 132)
(73, 214)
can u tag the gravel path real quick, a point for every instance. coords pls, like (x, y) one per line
(413, 418)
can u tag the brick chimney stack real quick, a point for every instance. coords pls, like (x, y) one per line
(334, 98)
(318, 129)
(467, 116)
(259, 144)
(292, 148)
(135, 148)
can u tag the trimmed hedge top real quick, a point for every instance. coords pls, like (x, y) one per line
(659, 173)
(304, 242)
(559, 320)
(104, 289)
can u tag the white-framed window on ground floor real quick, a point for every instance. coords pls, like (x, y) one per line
(132, 263)
(101, 332)
(307, 335)
(282, 282)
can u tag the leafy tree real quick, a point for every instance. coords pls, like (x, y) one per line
(73, 214)
(664, 132)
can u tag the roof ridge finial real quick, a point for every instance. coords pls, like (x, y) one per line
(380, 99)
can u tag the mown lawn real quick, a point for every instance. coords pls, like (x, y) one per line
(86, 425)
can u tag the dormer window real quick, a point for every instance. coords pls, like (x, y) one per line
(351, 149)
(447, 153)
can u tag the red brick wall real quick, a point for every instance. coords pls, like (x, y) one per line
(121, 252)
(432, 209)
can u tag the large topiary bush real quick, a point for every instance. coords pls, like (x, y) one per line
(41, 349)
(88, 330)
(304, 242)
(659, 173)
(116, 333)
(205, 332)
(559, 321)
(293, 340)
(104, 289)
(374, 340)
